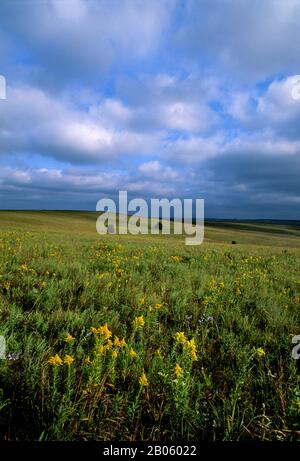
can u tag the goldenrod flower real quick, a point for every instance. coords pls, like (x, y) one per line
(194, 356)
(104, 330)
(180, 337)
(132, 353)
(102, 349)
(143, 380)
(24, 267)
(68, 359)
(176, 258)
(105, 347)
(123, 342)
(260, 352)
(119, 342)
(178, 370)
(55, 360)
(116, 341)
(108, 344)
(158, 353)
(69, 338)
(139, 322)
(191, 345)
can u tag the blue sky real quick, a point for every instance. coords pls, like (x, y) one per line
(162, 98)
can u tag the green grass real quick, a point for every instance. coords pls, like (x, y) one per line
(237, 305)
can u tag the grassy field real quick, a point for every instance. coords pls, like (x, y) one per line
(143, 338)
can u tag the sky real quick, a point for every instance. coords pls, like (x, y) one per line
(161, 98)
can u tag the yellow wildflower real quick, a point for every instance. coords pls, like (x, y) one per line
(178, 370)
(102, 349)
(116, 341)
(142, 301)
(132, 353)
(68, 359)
(104, 330)
(114, 354)
(108, 344)
(260, 352)
(180, 337)
(55, 360)
(191, 345)
(139, 322)
(123, 342)
(119, 342)
(24, 267)
(69, 338)
(6, 285)
(158, 353)
(143, 380)
(87, 360)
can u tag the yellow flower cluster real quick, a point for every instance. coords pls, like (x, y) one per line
(138, 322)
(158, 353)
(156, 307)
(189, 345)
(55, 360)
(69, 338)
(180, 337)
(119, 342)
(260, 352)
(103, 330)
(68, 359)
(143, 380)
(132, 353)
(105, 347)
(176, 258)
(178, 371)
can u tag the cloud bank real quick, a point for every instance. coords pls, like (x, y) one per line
(160, 98)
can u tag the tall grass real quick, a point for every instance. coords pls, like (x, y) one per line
(145, 341)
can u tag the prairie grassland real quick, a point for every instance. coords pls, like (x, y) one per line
(144, 338)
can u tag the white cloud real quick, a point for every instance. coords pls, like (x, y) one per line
(277, 104)
(155, 169)
(186, 116)
(249, 39)
(32, 121)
